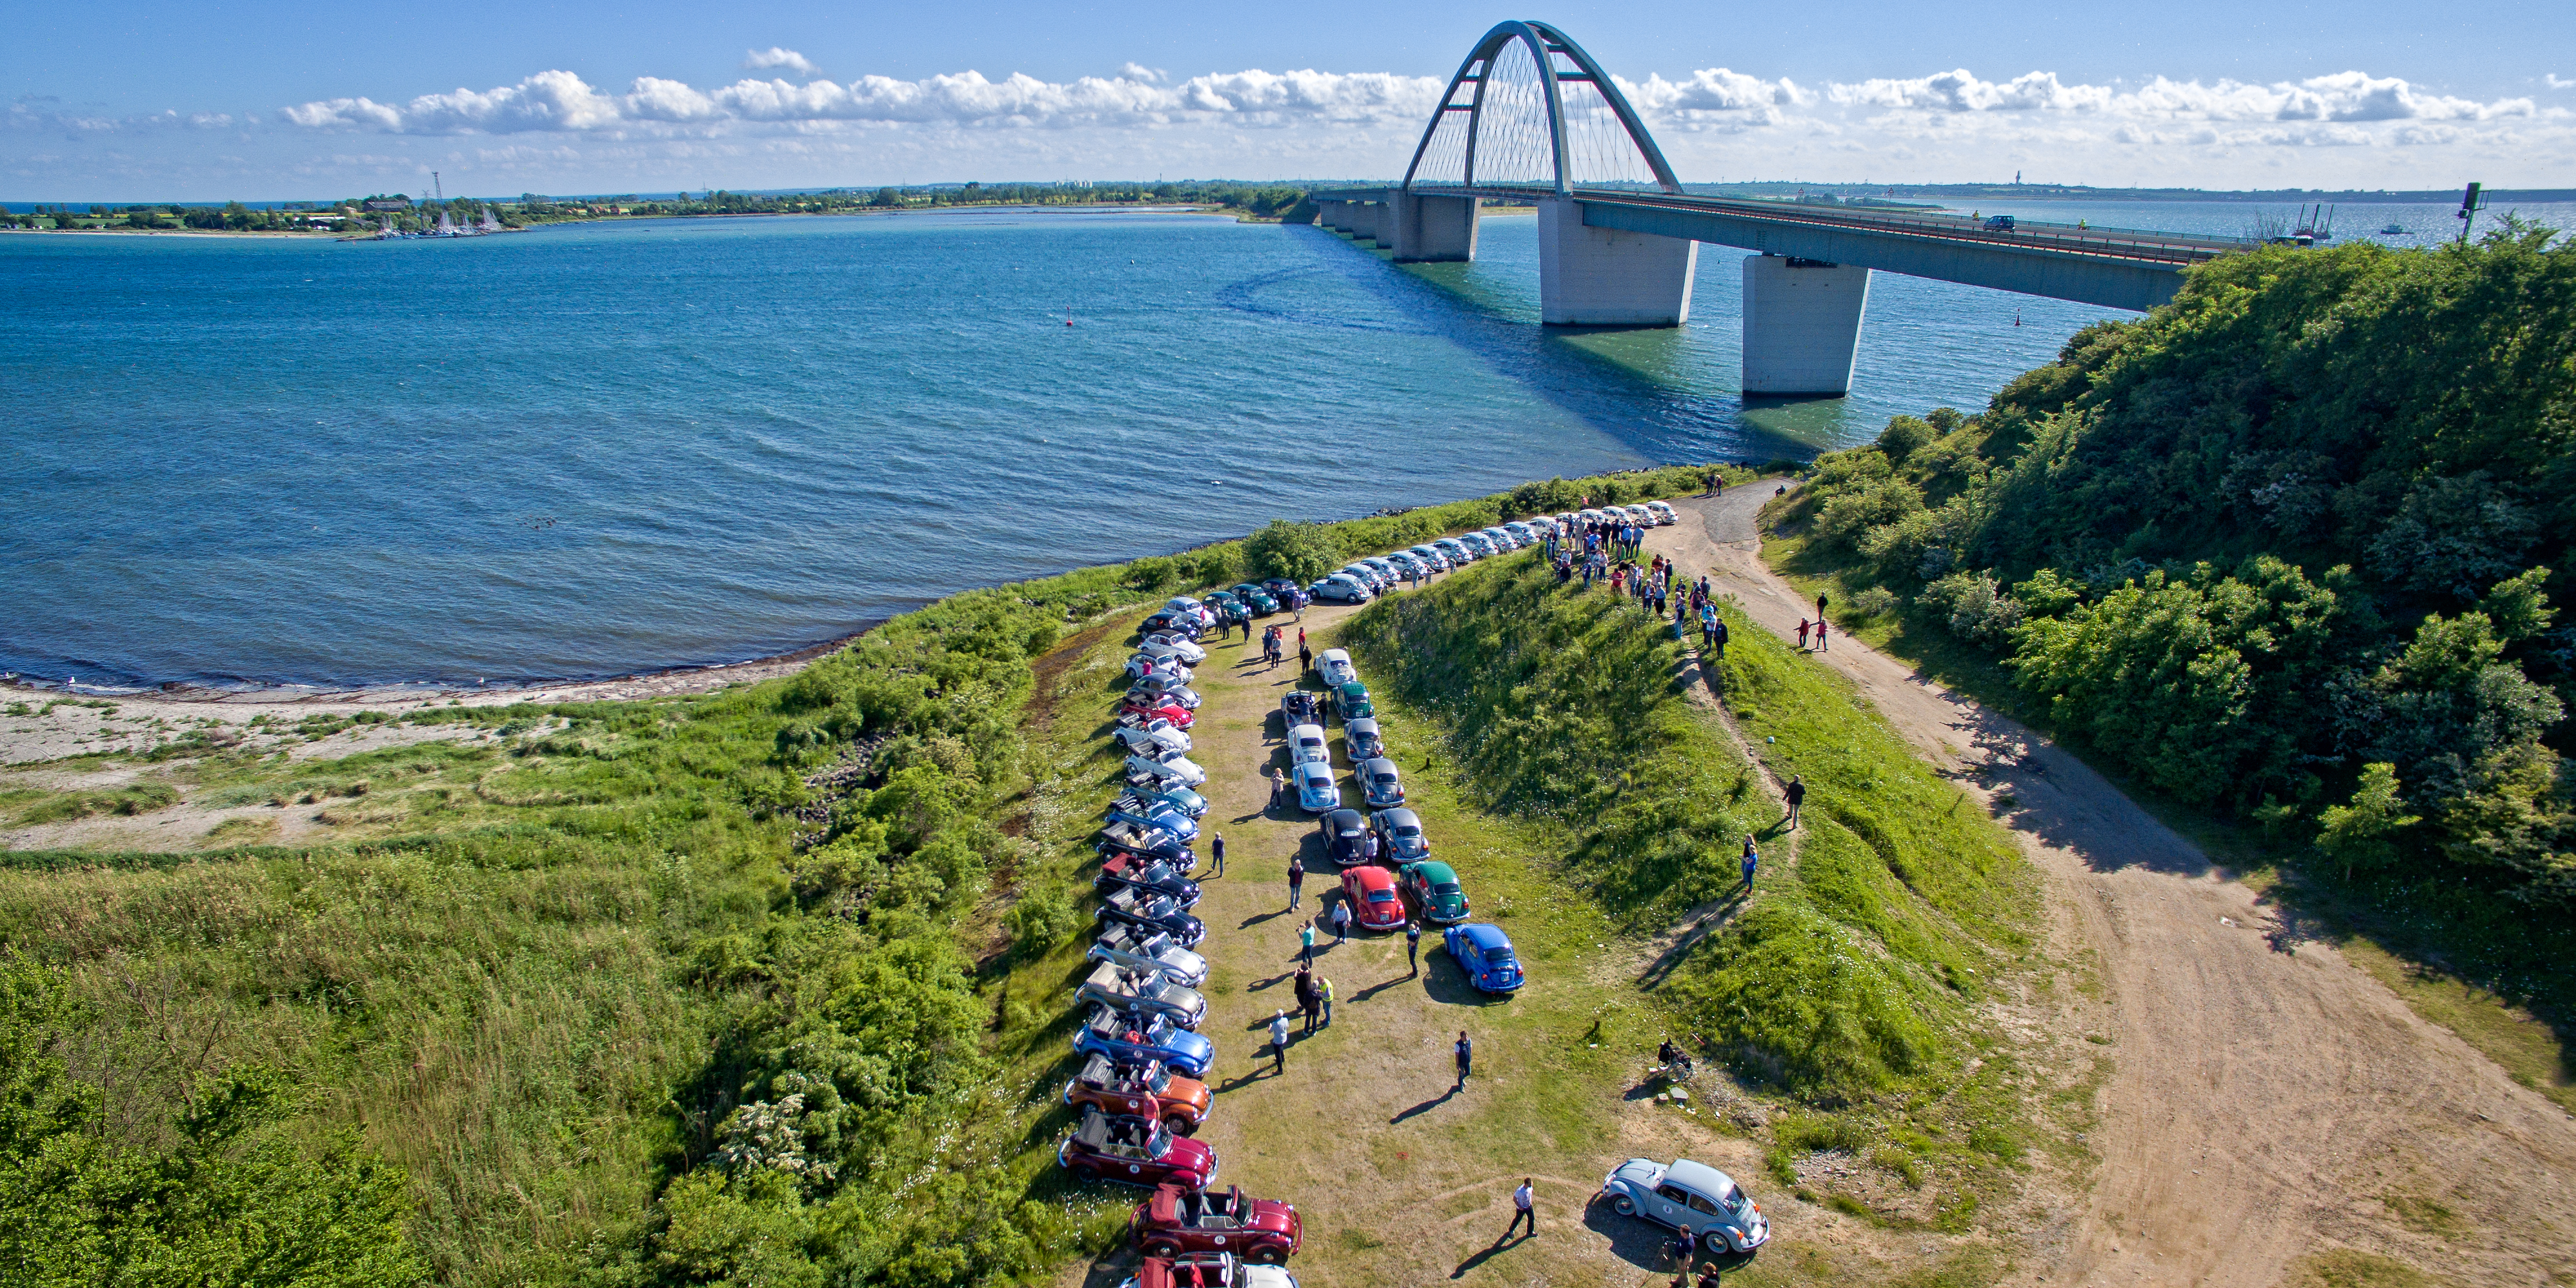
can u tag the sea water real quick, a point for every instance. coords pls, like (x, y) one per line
(596, 449)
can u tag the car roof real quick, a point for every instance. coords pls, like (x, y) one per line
(1379, 764)
(1369, 722)
(1343, 817)
(1300, 730)
(1315, 769)
(1699, 1176)
(1435, 871)
(1485, 936)
(1369, 876)
(1348, 685)
(1331, 653)
(1398, 817)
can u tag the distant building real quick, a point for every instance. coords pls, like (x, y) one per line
(379, 205)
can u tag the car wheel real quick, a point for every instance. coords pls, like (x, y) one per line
(1624, 1205)
(1181, 1126)
(1717, 1244)
(1269, 1254)
(1162, 1248)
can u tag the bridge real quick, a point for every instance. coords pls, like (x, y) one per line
(1531, 118)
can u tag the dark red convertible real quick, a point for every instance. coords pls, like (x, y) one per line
(1135, 1151)
(1176, 1222)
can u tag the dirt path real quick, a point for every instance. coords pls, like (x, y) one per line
(2271, 1100)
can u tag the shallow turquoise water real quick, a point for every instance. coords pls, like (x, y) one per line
(594, 449)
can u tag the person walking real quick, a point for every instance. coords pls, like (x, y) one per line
(1306, 939)
(1717, 631)
(1752, 860)
(1797, 795)
(1296, 879)
(1341, 923)
(1820, 635)
(1279, 1041)
(1466, 1057)
(1219, 849)
(1524, 1208)
(1305, 655)
(1324, 987)
(1821, 601)
(1803, 627)
(1413, 946)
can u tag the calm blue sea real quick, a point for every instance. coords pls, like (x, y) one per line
(590, 450)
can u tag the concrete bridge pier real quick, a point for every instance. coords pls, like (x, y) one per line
(1801, 325)
(1431, 230)
(1332, 215)
(1366, 219)
(1607, 277)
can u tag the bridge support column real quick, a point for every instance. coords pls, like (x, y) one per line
(1801, 325)
(1605, 277)
(1328, 215)
(1366, 219)
(1432, 230)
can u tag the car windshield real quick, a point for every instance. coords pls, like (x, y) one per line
(1157, 1078)
(1732, 1199)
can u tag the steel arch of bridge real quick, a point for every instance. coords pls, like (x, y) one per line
(1542, 41)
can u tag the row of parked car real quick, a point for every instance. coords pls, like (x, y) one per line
(1140, 1087)
(1367, 579)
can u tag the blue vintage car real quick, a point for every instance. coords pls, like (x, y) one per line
(1132, 1038)
(1152, 798)
(1485, 955)
(1164, 817)
(1688, 1194)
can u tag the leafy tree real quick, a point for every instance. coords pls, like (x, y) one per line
(2363, 832)
(1300, 552)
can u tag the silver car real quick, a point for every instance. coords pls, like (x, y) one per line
(1362, 739)
(1459, 553)
(1316, 791)
(1664, 514)
(1688, 1194)
(1308, 745)
(1431, 559)
(1157, 739)
(1137, 993)
(1379, 783)
(1178, 771)
(1335, 666)
(1137, 949)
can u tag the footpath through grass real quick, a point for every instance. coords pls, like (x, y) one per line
(1858, 981)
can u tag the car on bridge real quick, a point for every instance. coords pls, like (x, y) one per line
(1374, 903)
(1135, 1151)
(1343, 830)
(1129, 1040)
(1340, 588)
(1484, 954)
(1139, 1089)
(1257, 598)
(1379, 783)
(1317, 793)
(1149, 912)
(1334, 665)
(1140, 949)
(1176, 1222)
(1142, 993)
(1289, 593)
(1400, 838)
(1308, 745)
(1997, 224)
(1688, 1194)
(1362, 740)
(1433, 887)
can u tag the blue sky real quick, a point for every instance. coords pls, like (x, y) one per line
(157, 100)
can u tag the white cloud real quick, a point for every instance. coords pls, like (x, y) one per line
(2342, 96)
(2555, 83)
(761, 60)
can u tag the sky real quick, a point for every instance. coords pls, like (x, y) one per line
(151, 101)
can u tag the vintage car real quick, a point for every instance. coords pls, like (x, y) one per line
(1316, 790)
(1664, 514)
(1168, 691)
(1431, 559)
(1121, 837)
(1180, 798)
(1409, 563)
(1523, 533)
(1161, 818)
(1299, 706)
(1149, 911)
(1228, 608)
(1178, 770)
(1134, 1039)
(1481, 544)
(1687, 1193)
(1400, 838)
(1289, 593)
(1156, 738)
(1139, 949)
(1144, 1089)
(1351, 702)
(1378, 583)
(1484, 955)
(1142, 708)
(1185, 625)
(1340, 588)
(1207, 1270)
(1135, 1151)
(1344, 832)
(1141, 993)
(1176, 1222)
(1147, 666)
(1387, 567)
(1374, 903)
(1503, 542)
(1151, 873)
(1258, 599)
(1433, 887)
(1168, 644)
(1458, 553)
(1362, 739)
(1307, 745)
(1379, 783)
(1335, 666)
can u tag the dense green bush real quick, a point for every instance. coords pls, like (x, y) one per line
(2298, 522)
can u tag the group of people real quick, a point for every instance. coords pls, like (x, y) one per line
(1274, 645)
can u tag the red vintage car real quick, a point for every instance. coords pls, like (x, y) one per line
(1144, 706)
(1135, 1151)
(1207, 1271)
(1176, 1222)
(1143, 1090)
(1374, 902)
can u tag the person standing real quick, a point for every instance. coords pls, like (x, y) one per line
(1305, 655)
(1219, 849)
(1324, 987)
(1279, 1041)
(1712, 484)
(1296, 879)
(1684, 1249)
(1413, 946)
(1751, 861)
(1466, 1057)
(1797, 795)
(1717, 628)
(1820, 635)
(1306, 996)
(1803, 627)
(1821, 601)
(1524, 1208)
(1278, 789)
(1341, 923)
(1306, 939)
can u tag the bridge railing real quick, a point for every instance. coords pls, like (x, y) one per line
(2123, 243)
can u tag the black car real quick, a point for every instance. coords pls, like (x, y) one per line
(1289, 593)
(1301, 706)
(1183, 624)
(1152, 912)
(1344, 832)
(1400, 839)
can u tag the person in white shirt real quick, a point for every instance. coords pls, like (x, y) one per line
(1522, 1210)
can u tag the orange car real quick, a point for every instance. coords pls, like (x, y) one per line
(1146, 1090)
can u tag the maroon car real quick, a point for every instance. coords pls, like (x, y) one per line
(1176, 1222)
(1136, 1151)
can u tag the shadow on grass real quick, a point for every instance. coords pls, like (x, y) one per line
(1634, 1240)
(1488, 1253)
(1426, 1106)
(1375, 989)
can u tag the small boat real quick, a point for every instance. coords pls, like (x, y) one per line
(2392, 230)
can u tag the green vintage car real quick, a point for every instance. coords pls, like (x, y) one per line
(1433, 890)
(1228, 608)
(1261, 602)
(1351, 702)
